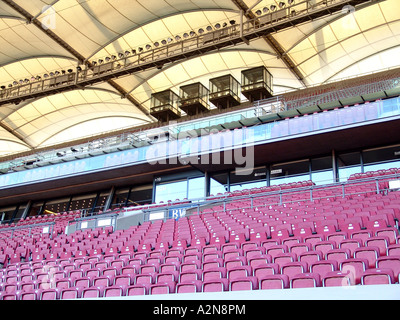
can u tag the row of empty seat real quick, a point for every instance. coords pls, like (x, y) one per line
(246, 244)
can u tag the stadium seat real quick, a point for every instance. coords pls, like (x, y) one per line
(371, 254)
(189, 286)
(246, 283)
(323, 267)
(162, 287)
(390, 262)
(216, 285)
(305, 280)
(275, 281)
(138, 289)
(377, 276)
(294, 268)
(338, 279)
(355, 266)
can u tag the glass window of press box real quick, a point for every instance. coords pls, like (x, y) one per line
(381, 158)
(290, 172)
(188, 185)
(247, 179)
(132, 196)
(348, 164)
(11, 213)
(219, 183)
(322, 170)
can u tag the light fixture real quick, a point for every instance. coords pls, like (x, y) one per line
(127, 52)
(258, 12)
(148, 47)
(272, 7)
(164, 42)
(217, 26)
(290, 2)
(113, 57)
(265, 9)
(133, 51)
(201, 30)
(108, 59)
(100, 61)
(140, 49)
(224, 25)
(169, 40)
(282, 4)
(209, 28)
(185, 35)
(232, 22)
(156, 44)
(178, 37)
(120, 55)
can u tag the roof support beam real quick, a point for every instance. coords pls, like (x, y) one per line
(182, 50)
(272, 42)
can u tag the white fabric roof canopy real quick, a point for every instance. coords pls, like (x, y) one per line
(326, 49)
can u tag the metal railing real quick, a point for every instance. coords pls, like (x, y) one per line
(279, 197)
(35, 228)
(88, 74)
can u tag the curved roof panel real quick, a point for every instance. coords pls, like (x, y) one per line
(42, 36)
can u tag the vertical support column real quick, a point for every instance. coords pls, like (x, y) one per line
(153, 197)
(335, 167)
(109, 199)
(27, 209)
(207, 182)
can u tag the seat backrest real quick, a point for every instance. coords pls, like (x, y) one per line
(217, 285)
(390, 262)
(305, 280)
(189, 286)
(377, 276)
(246, 283)
(338, 254)
(323, 267)
(29, 295)
(370, 253)
(91, 292)
(190, 275)
(48, 294)
(113, 291)
(276, 281)
(339, 279)
(293, 268)
(381, 242)
(354, 266)
(69, 293)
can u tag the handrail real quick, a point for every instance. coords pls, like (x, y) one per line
(196, 204)
(30, 227)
